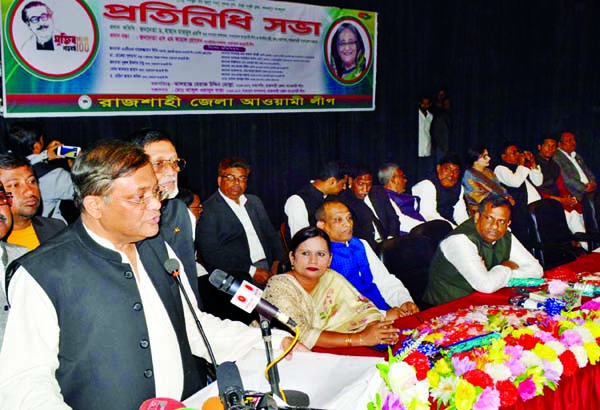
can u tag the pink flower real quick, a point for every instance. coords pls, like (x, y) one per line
(527, 389)
(462, 365)
(489, 399)
(392, 402)
(516, 367)
(571, 338)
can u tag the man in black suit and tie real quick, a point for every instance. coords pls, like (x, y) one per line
(374, 217)
(234, 232)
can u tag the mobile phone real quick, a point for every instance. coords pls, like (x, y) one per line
(68, 151)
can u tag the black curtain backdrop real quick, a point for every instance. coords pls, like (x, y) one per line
(515, 70)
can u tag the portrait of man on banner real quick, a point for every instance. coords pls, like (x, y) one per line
(52, 39)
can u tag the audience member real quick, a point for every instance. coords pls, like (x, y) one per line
(29, 230)
(328, 309)
(578, 178)
(300, 208)
(8, 253)
(441, 195)
(407, 206)
(177, 223)
(234, 232)
(52, 171)
(441, 125)
(373, 214)
(192, 201)
(356, 261)
(553, 185)
(519, 174)
(94, 318)
(424, 141)
(478, 181)
(479, 255)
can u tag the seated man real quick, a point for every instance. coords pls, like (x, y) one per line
(8, 253)
(407, 206)
(553, 185)
(479, 255)
(518, 173)
(442, 194)
(234, 232)
(52, 171)
(356, 261)
(18, 178)
(373, 214)
(578, 178)
(96, 322)
(300, 208)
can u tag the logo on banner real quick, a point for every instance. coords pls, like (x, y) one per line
(52, 39)
(348, 50)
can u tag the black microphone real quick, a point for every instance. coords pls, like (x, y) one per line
(230, 285)
(172, 267)
(231, 389)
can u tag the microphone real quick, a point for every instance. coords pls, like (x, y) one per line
(248, 297)
(231, 389)
(172, 267)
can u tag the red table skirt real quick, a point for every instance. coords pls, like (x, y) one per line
(578, 392)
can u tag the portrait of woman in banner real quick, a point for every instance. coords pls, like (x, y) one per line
(348, 54)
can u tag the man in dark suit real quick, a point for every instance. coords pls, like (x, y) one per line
(19, 180)
(578, 178)
(373, 214)
(234, 232)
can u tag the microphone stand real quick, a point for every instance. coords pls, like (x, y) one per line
(273, 373)
(175, 275)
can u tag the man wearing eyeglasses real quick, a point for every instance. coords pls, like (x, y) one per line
(177, 223)
(38, 17)
(481, 255)
(234, 232)
(96, 322)
(8, 253)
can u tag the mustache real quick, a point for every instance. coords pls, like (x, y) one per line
(3, 218)
(43, 27)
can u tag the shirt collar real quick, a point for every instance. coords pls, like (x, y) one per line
(231, 202)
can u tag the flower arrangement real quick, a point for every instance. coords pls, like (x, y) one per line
(519, 362)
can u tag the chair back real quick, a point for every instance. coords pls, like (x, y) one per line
(435, 230)
(590, 204)
(408, 258)
(549, 222)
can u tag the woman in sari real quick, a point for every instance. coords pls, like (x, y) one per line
(479, 181)
(328, 309)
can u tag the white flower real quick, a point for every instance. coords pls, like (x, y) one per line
(497, 371)
(557, 346)
(530, 359)
(580, 355)
(585, 334)
(445, 389)
(403, 379)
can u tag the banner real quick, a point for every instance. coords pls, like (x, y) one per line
(127, 57)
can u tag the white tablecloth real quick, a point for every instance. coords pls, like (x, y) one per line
(331, 381)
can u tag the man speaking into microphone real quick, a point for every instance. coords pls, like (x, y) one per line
(95, 321)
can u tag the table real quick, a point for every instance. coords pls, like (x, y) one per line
(578, 392)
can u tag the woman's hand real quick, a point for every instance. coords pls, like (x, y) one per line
(379, 333)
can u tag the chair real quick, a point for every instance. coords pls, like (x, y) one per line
(553, 241)
(435, 230)
(408, 257)
(590, 204)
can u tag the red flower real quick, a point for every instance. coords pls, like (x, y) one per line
(478, 378)
(570, 366)
(420, 362)
(508, 393)
(528, 342)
